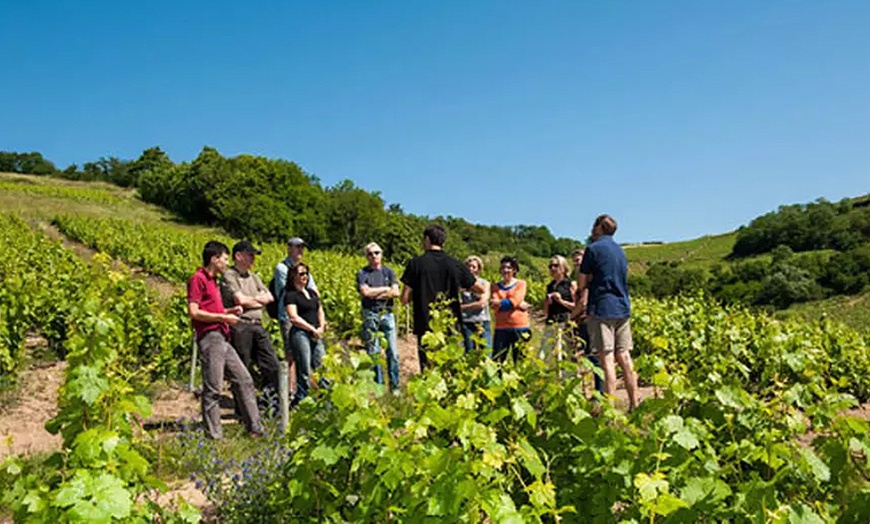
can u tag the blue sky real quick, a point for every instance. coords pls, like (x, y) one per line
(680, 118)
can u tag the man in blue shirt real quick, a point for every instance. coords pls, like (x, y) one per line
(603, 290)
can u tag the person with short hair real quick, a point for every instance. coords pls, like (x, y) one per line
(308, 326)
(604, 271)
(295, 252)
(211, 322)
(475, 310)
(430, 275)
(378, 286)
(242, 287)
(512, 328)
(558, 304)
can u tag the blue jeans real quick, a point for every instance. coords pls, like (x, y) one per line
(308, 353)
(481, 329)
(374, 323)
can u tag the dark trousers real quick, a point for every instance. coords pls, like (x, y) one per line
(253, 344)
(582, 334)
(509, 340)
(421, 354)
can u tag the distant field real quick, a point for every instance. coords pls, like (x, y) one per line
(41, 198)
(704, 251)
(854, 311)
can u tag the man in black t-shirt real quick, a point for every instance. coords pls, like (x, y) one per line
(432, 274)
(378, 286)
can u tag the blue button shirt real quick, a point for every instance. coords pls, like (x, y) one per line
(608, 289)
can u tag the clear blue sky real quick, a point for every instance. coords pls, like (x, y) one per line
(680, 118)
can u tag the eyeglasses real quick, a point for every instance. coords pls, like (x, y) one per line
(303, 273)
(373, 253)
(553, 265)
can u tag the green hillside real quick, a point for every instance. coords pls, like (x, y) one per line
(656, 269)
(720, 375)
(700, 252)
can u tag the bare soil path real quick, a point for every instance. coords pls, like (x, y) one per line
(23, 416)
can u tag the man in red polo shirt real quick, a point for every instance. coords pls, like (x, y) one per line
(211, 322)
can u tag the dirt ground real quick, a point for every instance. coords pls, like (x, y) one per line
(23, 417)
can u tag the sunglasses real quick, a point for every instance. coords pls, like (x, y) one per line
(303, 273)
(373, 253)
(553, 265)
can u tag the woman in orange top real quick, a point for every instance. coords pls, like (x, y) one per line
(511, 312)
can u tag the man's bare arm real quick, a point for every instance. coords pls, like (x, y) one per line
(195, 313)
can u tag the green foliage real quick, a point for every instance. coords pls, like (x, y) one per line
(819, 225)
(105, 323)
(39, 285)
(29, 188)
(175, 254)
(268, 200)
(474, 441)
(30, 163)
(670, 279)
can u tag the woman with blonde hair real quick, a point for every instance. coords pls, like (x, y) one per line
(475, 310)
(558, 303)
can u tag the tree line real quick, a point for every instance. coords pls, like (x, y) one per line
(265, 199)
(798, 253)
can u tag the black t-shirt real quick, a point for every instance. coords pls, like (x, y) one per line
(382, 277)
(557, 312)
(307, 308)
(432, 273)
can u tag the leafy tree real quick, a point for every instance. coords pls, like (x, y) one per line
(31, 163)
(668, 279)
(848, 272)
(354, 215)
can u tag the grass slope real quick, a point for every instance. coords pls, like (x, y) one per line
(700, 252)
(854, 311)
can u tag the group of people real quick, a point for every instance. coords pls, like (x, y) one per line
(586, 315)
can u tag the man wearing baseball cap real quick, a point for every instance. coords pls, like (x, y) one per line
(241, 287)
(295, 251)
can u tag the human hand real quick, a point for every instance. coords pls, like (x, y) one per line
(579, 312)
(524, 306)
(235, 310)
(231, 319)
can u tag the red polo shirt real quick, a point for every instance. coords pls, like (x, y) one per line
(202, 289)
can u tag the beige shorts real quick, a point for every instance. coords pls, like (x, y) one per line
(607, 335)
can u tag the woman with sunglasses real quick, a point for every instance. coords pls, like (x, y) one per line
(511, 312)
(305, 312)
(558, 304)
(475, 313)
